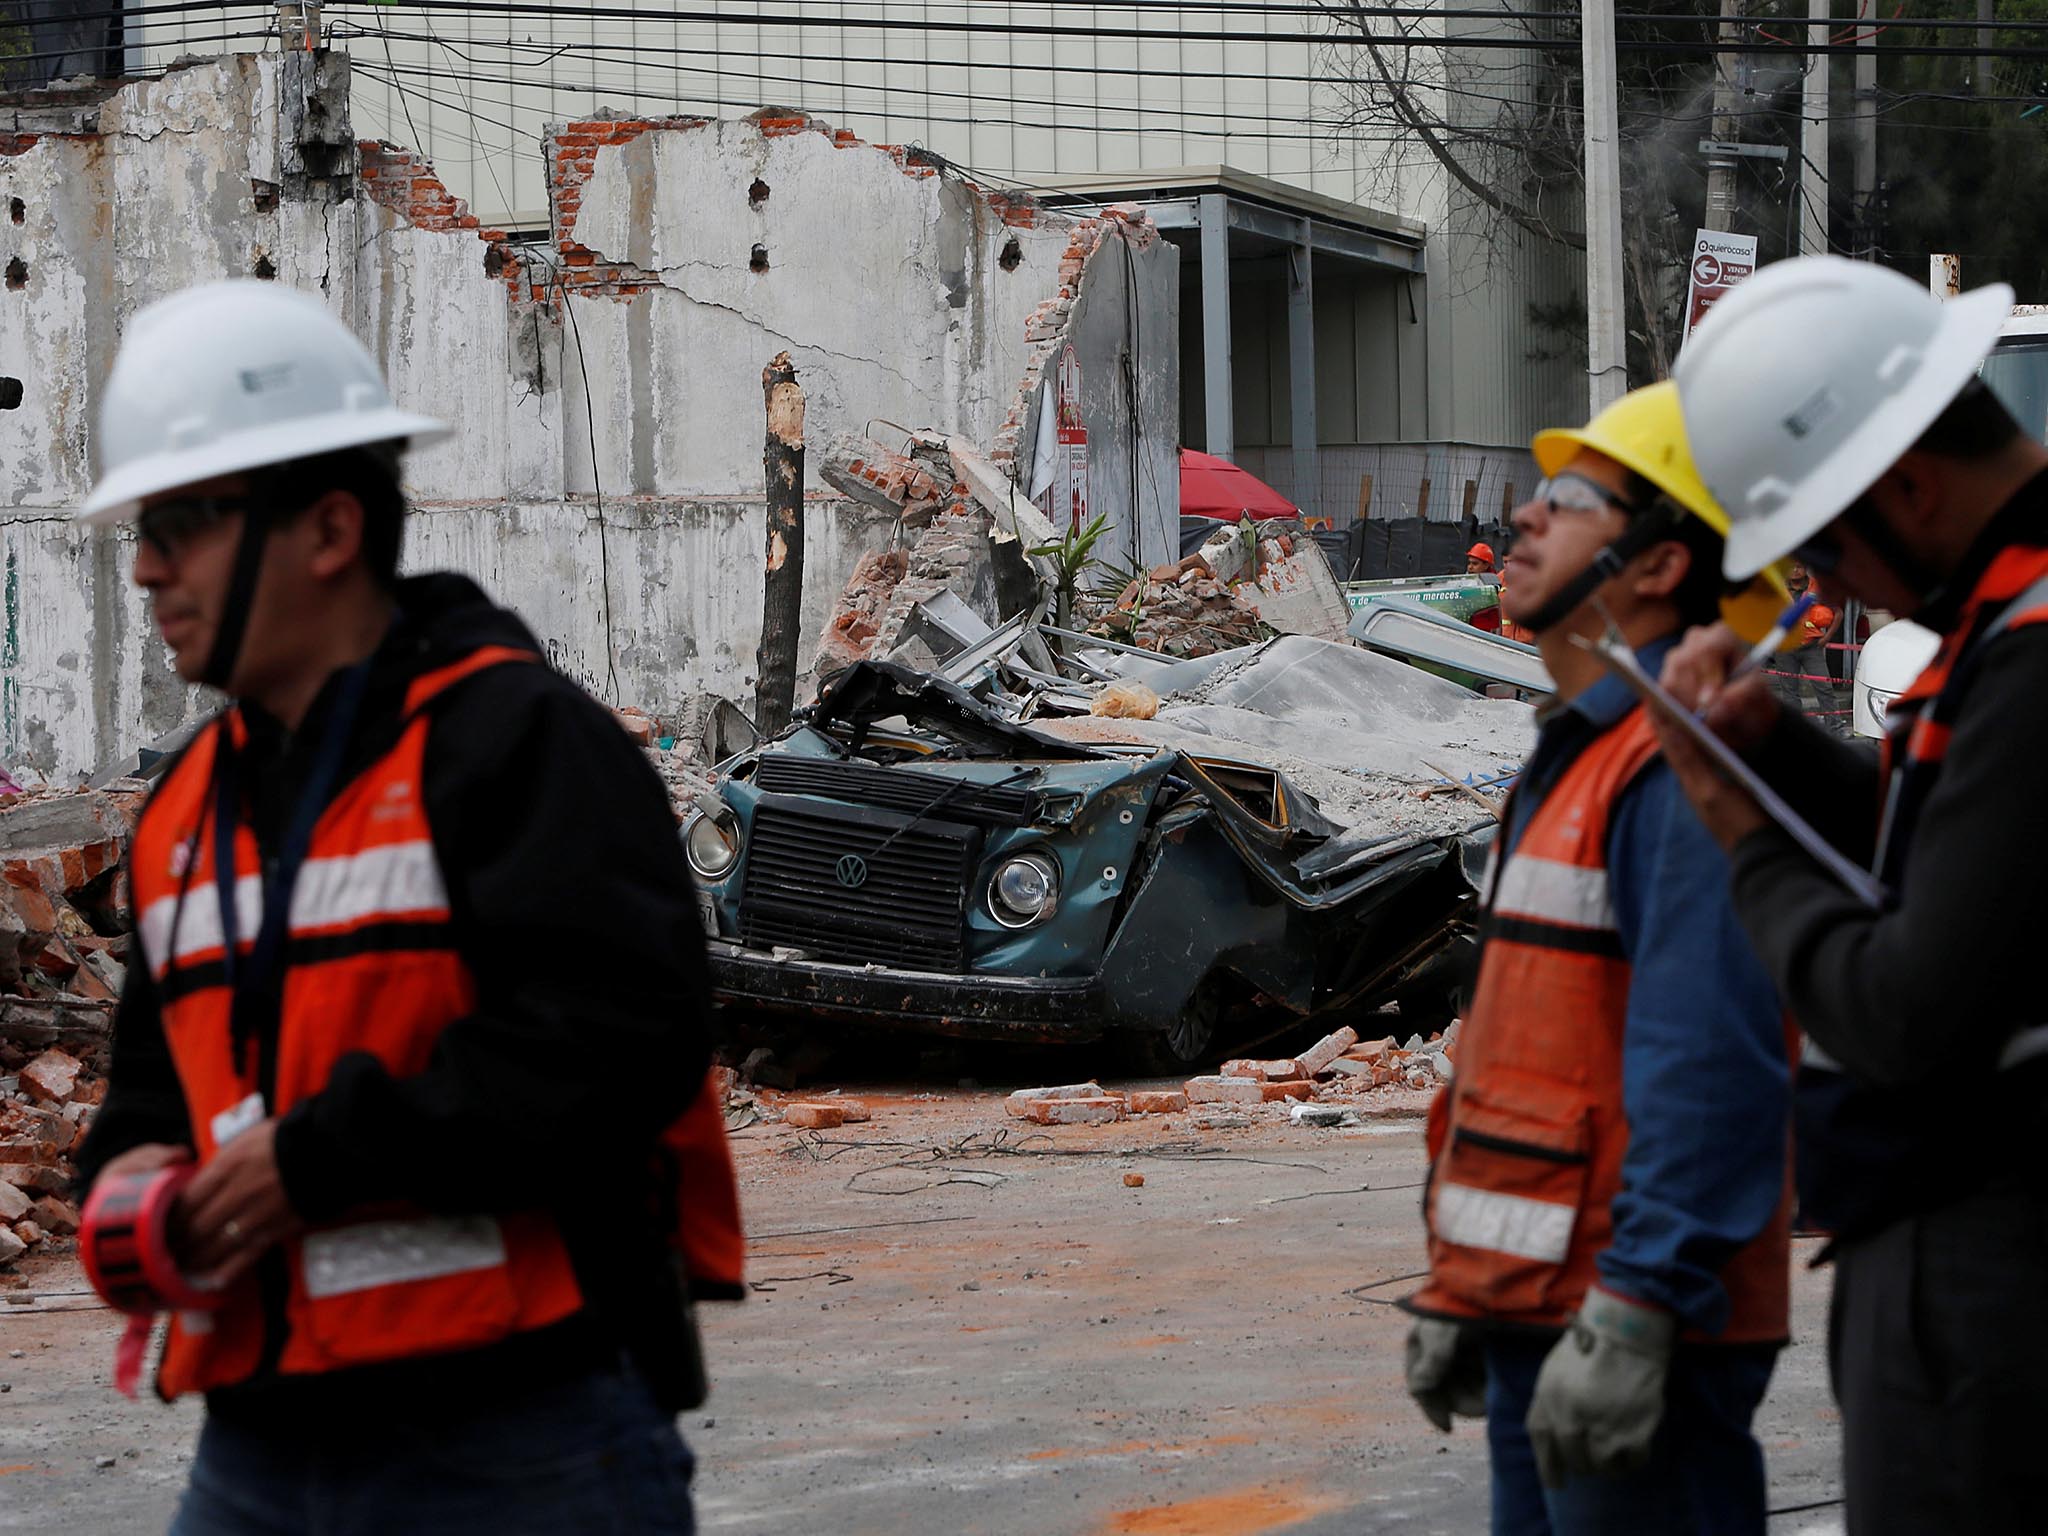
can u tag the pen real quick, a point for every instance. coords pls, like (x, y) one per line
(1767, 647)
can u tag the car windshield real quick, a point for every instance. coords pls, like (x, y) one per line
(2017, 371)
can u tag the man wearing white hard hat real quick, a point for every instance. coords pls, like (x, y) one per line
(1834, 409)
(357, 1004)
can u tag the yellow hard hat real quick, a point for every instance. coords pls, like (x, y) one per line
(1643, 431)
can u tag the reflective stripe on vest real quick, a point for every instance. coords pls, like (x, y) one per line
(370, 966)
(1526, 1145)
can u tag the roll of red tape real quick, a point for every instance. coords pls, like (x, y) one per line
(124, 1242)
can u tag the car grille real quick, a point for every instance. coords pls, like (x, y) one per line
(907, 910)
(896, 789)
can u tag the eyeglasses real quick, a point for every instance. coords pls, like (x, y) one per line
(169, 526)
(1577, 493)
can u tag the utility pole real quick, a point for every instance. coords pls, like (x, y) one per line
(1866, 146)
(1606, 359)
(1727, 125)
(1813, 137)
(1980, 67)
(783, 593)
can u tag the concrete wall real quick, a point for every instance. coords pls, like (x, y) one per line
(605, 475)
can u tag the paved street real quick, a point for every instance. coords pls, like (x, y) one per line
(965, 1325)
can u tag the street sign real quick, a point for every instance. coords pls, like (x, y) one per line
(1071, 490)
(1719, 262)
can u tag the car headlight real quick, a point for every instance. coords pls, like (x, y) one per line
(1880, 705)
(1024, 891)
(711, 844)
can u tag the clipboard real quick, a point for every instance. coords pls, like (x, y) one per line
(1621, 661)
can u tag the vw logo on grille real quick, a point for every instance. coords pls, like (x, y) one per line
(852, 871)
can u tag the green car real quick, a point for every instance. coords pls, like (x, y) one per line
(1279, 844)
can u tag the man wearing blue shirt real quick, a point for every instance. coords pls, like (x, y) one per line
(1607, 1210)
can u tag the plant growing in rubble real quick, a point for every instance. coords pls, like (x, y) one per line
(1072, 557)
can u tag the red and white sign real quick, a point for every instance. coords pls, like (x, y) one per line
(1070, 489)
(1719, 262)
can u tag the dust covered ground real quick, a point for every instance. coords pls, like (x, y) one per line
(962, 1323)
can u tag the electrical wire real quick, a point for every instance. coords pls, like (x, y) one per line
(1347, 36)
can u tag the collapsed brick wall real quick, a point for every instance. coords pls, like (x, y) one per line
(395, 178)
(1046, 329)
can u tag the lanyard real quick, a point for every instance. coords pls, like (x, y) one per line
(258, 991)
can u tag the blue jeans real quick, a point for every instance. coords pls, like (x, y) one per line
(593, 1455)
(1705, 1476)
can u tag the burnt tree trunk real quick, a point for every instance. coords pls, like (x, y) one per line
(783, 594)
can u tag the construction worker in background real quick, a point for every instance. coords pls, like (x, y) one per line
(1799, 674)
(1608, 1201)
(1479, 560)
(1836, 412)
(410, 910)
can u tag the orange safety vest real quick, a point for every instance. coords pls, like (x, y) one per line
(2011, 594)
(371, 965)
(1526, 1145)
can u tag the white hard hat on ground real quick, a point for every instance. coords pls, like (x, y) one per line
(1808, 381)
(233, 376)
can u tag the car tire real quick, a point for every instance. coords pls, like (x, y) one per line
(1189, 1043)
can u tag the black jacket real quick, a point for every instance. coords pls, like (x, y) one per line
(1915, 1002)
(573, 909)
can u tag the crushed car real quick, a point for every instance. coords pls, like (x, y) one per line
(1294, 833)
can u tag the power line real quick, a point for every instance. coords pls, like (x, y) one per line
(1348, 36)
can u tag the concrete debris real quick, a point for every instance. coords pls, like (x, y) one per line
(1188, 614)
(1246, 583)
(1134, 1181)
(1333, 1083)
(1318, 1114)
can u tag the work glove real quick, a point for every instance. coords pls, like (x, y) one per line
(1600, 1394)
(1446, 1371)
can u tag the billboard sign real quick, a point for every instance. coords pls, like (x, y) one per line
(1719, 262)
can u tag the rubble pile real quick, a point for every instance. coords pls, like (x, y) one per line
(46, 1105)
(63, 957)
(1330, 1084)
(1180, 610)
(1246, 583)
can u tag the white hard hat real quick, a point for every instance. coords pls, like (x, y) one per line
(233, 376)
(1809, 380)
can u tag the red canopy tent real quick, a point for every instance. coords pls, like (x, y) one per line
(1213, 487)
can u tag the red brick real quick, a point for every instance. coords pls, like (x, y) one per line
(813, 1117)
(1156, 1101)
(1091, 1111)
(54, 1215)
(28, 1232)
(1317, 1058)
(1265, 1071)
(1244, 1090)
(1134, 1181)
(52, 1077)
